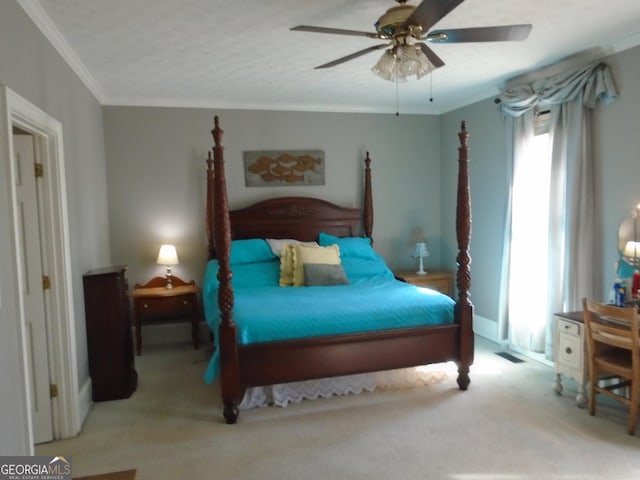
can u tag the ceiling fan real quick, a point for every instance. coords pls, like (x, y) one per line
(406, 27)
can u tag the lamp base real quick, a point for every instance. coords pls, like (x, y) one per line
(421, 270)
(169, 285)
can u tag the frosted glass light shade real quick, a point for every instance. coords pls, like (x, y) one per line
(167, 255)
(386, 67)
(402, 61)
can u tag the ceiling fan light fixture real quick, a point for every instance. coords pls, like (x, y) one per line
(413, 61)
(399, 63)
(386, 67)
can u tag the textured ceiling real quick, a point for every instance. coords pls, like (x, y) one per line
(241, 54)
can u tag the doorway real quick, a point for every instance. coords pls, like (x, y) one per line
(17, 115)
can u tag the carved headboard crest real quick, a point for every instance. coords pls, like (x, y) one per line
(294, 210)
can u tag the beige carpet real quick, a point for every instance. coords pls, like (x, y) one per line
(123, 475)
(509, 425)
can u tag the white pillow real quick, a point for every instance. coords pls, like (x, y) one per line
(276, 244)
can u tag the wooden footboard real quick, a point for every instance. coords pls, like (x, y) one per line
(303, 218)
(281, 362)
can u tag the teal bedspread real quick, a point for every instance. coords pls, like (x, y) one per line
(264, 312)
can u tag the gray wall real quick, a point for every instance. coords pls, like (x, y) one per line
(31, 67)
(156, 176)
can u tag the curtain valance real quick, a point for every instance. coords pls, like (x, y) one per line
(594, 81)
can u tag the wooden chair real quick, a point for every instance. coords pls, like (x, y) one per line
(613, 346)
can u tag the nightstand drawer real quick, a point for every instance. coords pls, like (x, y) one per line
(165, 306)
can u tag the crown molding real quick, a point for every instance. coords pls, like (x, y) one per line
(51, 32)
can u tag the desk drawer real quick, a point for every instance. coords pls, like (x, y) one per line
(569, 328)
(570, 350)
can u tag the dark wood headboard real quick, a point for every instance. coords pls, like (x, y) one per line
(302, 218)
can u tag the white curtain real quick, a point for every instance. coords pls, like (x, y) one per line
(518, 333)
(572, 195)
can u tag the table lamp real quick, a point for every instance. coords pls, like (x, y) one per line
(421, 251)
(168, 257)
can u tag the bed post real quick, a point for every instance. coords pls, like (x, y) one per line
(368, 199)
(230, 370)
(464, 308)
(211, 249)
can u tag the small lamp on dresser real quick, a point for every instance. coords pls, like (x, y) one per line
(421, 251)
(168, 257)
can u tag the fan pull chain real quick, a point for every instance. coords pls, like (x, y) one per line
(431, 92)
(397, 100)
(397, 68)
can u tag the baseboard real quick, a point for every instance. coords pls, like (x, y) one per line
(84, 400)
(486, 328)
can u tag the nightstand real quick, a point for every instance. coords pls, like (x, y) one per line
(440, 281)
(154, 302)
(569, 353)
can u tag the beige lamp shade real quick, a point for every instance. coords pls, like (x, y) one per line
(167, 255)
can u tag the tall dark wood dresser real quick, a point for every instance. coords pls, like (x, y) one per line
(109, 335)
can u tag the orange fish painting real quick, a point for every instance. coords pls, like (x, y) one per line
(264, 168)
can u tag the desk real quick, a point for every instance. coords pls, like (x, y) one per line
(152, 301)
(570, 352)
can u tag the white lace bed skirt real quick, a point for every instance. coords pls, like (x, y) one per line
(284, 393)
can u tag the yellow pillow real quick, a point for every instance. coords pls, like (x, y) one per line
(286, 265)
(310, 254)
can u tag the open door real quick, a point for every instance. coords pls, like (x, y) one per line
(34, 283)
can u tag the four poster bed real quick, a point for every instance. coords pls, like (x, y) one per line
(340, 320)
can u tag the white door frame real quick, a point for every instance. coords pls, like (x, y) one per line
(61, 337)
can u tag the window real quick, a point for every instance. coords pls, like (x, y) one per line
(528, 271)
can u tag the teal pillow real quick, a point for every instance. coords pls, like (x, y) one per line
(252, 250)
(245, 275)
(358, 269)
(359, 247)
